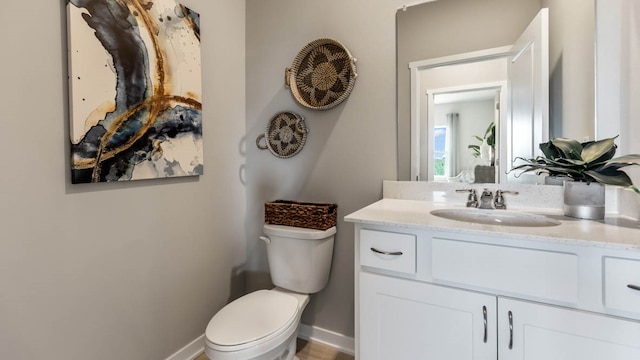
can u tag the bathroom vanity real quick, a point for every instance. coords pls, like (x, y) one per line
(428, 287)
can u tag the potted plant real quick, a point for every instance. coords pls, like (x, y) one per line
(489, 139)
(587, 166)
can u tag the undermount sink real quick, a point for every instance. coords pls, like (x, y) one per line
(496, 217)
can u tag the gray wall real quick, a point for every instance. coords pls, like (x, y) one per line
(112, 271)
(631, 83)
(617, 72)
(631, 75)
(350, 148)
(571, 68)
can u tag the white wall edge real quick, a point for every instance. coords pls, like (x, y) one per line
(191, 351)
(403, 5)
(473, 56)
(341, 342)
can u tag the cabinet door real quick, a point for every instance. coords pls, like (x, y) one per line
(543, 332)
(404, 319)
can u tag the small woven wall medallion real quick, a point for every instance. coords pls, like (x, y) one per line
(285, 135)
(322, 74)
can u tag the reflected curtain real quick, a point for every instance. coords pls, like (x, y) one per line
(452, 143)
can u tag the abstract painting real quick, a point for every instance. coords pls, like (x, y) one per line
(135, 90)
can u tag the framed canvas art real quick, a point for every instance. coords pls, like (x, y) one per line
(135, 90)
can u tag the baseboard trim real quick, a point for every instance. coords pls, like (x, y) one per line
(191, 351)
(307, 332)
(341, 342)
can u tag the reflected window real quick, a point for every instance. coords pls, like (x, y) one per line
(440, 153)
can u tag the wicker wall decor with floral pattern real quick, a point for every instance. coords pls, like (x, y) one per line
(322, 74)
(285, 135)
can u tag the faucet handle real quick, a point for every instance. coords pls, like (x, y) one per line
(466, 190)
(500, 192)
(498, 201)
(472, 200)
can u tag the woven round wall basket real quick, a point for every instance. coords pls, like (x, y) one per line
(322, 74)
(285, 135)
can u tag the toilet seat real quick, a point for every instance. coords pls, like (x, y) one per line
(254, 322)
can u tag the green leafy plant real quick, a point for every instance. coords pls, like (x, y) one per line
(490, 135)
(590, 161)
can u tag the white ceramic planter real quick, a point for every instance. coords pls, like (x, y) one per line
(556, 180)
(584, 200)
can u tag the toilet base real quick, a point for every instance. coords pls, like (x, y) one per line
(290, 352)
(282, 347)
(285, 351)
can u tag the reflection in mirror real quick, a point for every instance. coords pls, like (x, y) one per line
(445, 28)
(473, 86)
(464, 135)
(524, 66)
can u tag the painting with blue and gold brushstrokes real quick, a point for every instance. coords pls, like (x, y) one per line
(135, 90)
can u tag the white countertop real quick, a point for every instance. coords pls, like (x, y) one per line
(615, 232)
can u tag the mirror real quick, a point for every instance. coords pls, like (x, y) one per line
(463, 133)
(445, 29)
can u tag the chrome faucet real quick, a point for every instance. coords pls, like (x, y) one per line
(486, 199)
(472, 200)
(498, 202)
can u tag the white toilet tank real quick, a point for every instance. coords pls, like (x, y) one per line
(299, 258)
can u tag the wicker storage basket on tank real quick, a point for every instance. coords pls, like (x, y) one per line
(309, 215)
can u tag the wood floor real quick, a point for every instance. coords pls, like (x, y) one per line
(307, 350)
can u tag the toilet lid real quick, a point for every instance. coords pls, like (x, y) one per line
(252, 317)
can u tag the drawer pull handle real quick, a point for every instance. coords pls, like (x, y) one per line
(634, 287)
(394, 253)
(484, 317)
(510, 330)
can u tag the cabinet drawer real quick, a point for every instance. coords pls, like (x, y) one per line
(388, 250)
(618, 274)
(519, 271)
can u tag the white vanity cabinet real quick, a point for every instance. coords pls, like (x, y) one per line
(530, 330)
(404, 319)
(430, 294)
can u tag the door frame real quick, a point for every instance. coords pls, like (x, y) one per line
(415, 67)
(499, 120)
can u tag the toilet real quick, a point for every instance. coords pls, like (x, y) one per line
(263, 325)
